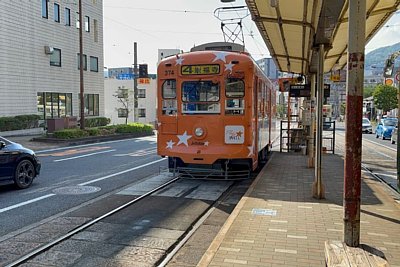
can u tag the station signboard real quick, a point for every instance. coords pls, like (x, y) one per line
(304, 90)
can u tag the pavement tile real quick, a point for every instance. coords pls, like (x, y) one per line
(296, 234)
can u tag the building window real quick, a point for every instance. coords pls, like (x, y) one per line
(87, 24)
(141, 93)
(67, 17)
(122, 113)
(91, 105)
(55, 58)
(84, 62)
(123, 93)
(96, 31)
(45, 9)
(54, 105)
(94, 64)
(77, 20)
(142, 113)
(56, 12)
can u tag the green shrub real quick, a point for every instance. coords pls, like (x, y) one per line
(70, 133)
(19, 122)
(134, 128)
(96, 122)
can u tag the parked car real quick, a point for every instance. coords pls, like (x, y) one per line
(18, 165)
(366, 126)
(385, 128)
(393, 139)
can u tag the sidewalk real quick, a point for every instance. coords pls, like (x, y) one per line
(278, 223)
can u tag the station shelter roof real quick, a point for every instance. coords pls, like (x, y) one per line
(292, 28)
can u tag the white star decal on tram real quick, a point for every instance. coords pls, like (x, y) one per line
(251, 148)
(179, 61)
(229, 66)
(169, 144)
(220, 55)
(206, 143)
(183, 139)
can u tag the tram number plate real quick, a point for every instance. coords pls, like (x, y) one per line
(200, 69)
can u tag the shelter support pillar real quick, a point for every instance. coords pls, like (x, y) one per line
(318, 189)
(311, 138)
(354, 103)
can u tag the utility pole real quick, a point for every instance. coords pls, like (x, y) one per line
(352, 164)
(81, 85)
(135, 83)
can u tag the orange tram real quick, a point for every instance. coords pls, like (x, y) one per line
(216, 112)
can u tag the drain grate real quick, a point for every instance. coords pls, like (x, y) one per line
(76, 190)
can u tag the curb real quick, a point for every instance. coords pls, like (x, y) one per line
(88, 140)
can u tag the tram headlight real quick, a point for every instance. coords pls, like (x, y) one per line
(198, 132)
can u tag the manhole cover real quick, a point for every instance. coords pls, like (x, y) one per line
(76, 190)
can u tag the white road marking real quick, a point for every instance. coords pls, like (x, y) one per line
(26, 203)
(86, 155)
(121, 172)
(86, 183)
(86, 145)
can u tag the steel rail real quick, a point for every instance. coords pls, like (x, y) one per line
(168, 257)
(86, 225)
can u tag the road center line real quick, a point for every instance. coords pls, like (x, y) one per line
(121, 172)
(87, 155)
(26, 203)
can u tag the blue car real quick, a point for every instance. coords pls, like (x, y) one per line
(385, 128)
(18, 164)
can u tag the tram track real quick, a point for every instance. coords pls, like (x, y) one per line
(42, 252)
(370, 169)
(86, 225)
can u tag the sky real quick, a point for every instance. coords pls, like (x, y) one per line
(181, 24)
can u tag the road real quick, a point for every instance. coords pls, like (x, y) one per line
(378, 155)
(77, 175)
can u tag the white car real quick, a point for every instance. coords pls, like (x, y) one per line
(393, 138)
(366, 126)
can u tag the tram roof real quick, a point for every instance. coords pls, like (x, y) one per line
(292, 28)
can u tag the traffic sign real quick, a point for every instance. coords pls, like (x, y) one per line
(389, 81)
(398, 76)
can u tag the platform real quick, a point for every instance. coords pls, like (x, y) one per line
(278, 223)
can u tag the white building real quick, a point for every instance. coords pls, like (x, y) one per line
(39, 58)
(163, 53)
(147, 100)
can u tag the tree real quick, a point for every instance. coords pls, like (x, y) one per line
(368, 91)
(385, 97)
(125, 98)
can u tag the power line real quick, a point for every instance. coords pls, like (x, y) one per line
(161, 10)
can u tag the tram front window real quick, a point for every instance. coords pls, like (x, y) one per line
(200, 97)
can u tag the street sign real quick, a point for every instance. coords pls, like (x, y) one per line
(389, 81)
(398, 76)
(300, 90)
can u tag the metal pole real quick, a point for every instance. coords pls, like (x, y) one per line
(288, 124)
(81, 85)
(352, 164)
(318, 187)
(135, 83)
(311, 140)
(398, 132)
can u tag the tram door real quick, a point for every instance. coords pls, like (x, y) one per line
(169, 108)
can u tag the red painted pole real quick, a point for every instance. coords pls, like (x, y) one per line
(355, 80)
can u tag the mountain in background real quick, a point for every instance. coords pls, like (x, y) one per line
(378, 56)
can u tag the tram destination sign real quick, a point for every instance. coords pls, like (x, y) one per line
(300, 90)
(304, 90)
(200, 69)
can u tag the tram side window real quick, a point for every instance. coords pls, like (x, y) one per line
(234, 92)
(169, 102)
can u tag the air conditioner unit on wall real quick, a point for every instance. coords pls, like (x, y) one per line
(48, 50)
